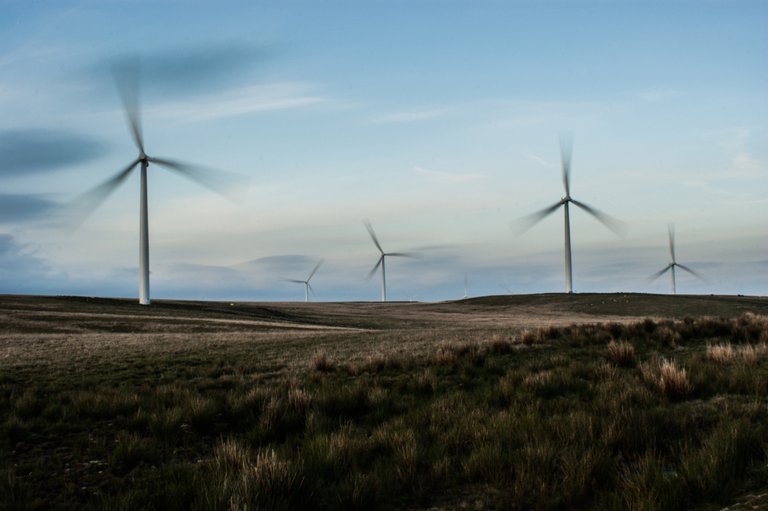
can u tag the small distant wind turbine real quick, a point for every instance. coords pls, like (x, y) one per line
(529, 221)
(674, 264)
(307, 285)
(465, 288)
(382, 260)
(84, 205)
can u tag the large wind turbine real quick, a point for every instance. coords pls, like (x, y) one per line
(529, 221)
(382, 260)
(127, 79)
(674, 264)
(307, 285)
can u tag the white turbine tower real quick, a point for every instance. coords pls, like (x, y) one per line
(674, 264)
(307, 285)
(127, 78)
(382, 261)
(529, 221)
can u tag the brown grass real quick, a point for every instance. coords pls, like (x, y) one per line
(621, 353)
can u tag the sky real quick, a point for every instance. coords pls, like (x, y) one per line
(437, 121)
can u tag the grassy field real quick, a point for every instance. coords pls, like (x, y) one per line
(587, 401)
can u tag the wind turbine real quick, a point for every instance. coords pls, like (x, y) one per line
(307, 285)
(127, 79)
(466, 295)
(382, 260)
(529, 221)
(674, 264)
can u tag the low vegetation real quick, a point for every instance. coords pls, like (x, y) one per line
(650, 414)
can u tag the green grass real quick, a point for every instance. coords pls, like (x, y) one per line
(616, 415)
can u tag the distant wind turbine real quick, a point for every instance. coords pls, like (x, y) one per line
(465, 288)
(382, 260)
(674, 264)
(307, 285)
(529, 221)
(127, 78)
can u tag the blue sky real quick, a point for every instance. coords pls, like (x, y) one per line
(437, 121)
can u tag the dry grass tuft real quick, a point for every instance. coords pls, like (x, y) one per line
(299, 400)
(321, 362)
(673, 380)
(621, 353)
(668, 378)
(745, 353)
(668, 336)
(529, 337)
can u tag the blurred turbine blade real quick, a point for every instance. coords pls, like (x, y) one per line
(311, 291)
(523, 224)
(373, 235)
(314, 270)
(81, 207)
(403, 254)
(370, 274)
(229, 184)
(566, 150)
(671, 232)
(659, 273)
(617, 226)
(295, 281)
(127, 74)
(695, 274)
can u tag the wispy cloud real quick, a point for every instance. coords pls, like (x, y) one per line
(22, 207)
(408, 116)
(37, 150)
(447, 177)
(241, 101)
(193, 69)
(538, 159)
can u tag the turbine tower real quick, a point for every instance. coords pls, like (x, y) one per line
(382, 260)
(127, 79)
(307, 285)
(674, 264)
(529, 221)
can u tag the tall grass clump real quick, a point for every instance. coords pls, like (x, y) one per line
(746, 353)
(236, 479)
(621, 353)
(321, 362)
(670, 379)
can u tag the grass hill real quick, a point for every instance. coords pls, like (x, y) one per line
(552, 401)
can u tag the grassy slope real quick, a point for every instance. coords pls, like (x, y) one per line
(96, 394)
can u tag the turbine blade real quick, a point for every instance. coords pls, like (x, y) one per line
(671, 232)
(81, 207)
(126, 74)
(311, 291)
(659, 273)
(523, 224)
(617, 226)
(229, 184)
(314, 270)
(370, 274)
(373, 235)
(695, 274)
(566, 150)
(295, 281)
(403, 254)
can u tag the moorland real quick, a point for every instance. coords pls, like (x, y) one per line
(552, 401)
